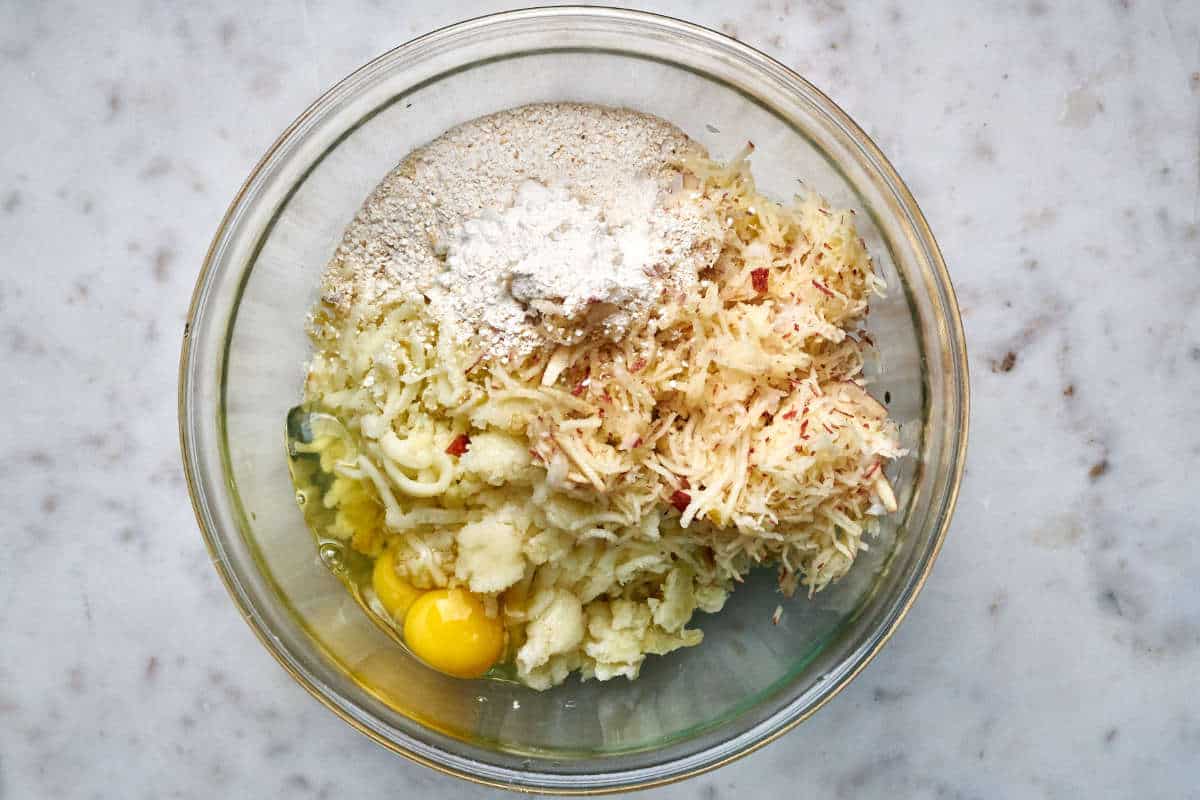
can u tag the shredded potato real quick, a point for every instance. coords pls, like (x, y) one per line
(632, 482)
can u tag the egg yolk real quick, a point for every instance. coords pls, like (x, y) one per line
(449, 630)
(396, 594)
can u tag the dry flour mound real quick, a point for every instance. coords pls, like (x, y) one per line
(542, 223)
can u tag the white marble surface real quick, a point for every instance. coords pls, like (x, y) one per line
(1055, 651)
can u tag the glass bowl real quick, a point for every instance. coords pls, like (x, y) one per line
(242, 368)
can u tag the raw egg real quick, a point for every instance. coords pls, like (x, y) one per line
(396, 594)
(450, 630)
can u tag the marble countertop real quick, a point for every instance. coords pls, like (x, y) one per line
(1054, 146)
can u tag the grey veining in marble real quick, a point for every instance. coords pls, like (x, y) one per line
(1055, 148)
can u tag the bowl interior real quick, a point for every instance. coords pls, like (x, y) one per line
(245, 368)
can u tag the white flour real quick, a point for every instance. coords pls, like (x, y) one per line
(542, 223)
(550, 256)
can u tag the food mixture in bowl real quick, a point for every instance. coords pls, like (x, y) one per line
(571, 380)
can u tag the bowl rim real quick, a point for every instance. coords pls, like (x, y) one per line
(958, 366)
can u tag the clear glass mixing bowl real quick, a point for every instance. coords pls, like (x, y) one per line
(244, 347)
